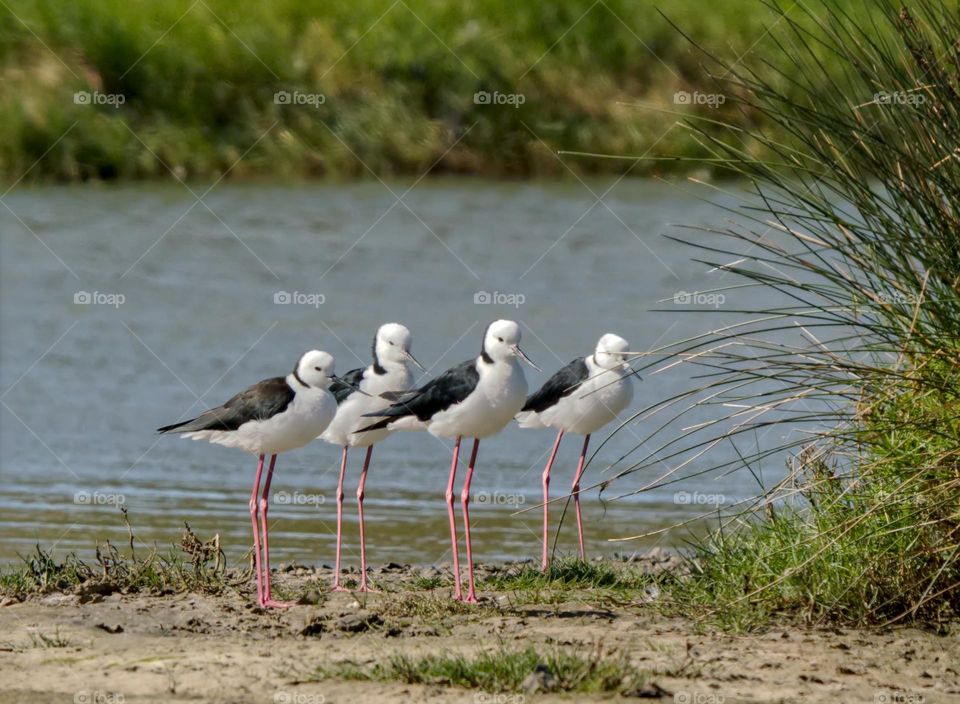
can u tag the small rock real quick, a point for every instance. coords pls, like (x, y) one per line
(849, 670)
(314, 627)
(358, 623)
(648, 690)
(428, 631)
(91, 588)
(540, 680)
(309, 597)
(651, 593)
(110, 629)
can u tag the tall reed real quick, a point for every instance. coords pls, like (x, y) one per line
(846, 278)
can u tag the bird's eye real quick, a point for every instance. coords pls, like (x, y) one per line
(391, 344)
(500, 339)
(318, 369)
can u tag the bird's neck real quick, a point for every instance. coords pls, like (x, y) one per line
(295, 382)
(388, 368)
(488, 365)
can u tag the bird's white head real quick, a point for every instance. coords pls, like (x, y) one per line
(502, 342)
(391, 346)
(612, 351)
(315, 368)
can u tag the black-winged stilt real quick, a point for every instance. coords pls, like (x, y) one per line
(474, 399)
(358, 393)
(270, 417)
(581, 398)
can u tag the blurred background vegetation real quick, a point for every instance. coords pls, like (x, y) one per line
(199, 78)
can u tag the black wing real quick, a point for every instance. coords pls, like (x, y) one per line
(259, 402)
(559, 385)
(341, 390)
(451, 387)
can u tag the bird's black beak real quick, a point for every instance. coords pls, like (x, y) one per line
(413, 359)
(523, 355)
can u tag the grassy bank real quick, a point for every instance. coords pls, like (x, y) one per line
(126, 90)
(856, 238)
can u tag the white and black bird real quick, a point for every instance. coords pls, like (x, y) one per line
(362, 391)
(581, 398)
(270, 417)
(474, 399)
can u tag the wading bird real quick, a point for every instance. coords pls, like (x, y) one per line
(358, 393)
(581, 398)
(270, 417)
(474, 399)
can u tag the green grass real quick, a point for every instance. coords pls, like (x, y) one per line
(504, 670)
(198, 82)
(859, 548)
(844, 358)
(193, 565)
(41, 640)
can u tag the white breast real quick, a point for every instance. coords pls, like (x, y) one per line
(500, 393)
(349, 417)
(593, 404)
(304, 419)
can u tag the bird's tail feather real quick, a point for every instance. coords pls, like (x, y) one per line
(187, 426)
(382, 423)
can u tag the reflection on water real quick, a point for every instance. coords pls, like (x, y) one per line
(125, 309)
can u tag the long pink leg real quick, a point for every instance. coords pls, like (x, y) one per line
(457, 595)
(545, 561)
(256, 530)
(336, 566)
(465, 503)
(264, 503)
(364, 587)
(575, 490)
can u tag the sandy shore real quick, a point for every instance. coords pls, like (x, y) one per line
(118, 648)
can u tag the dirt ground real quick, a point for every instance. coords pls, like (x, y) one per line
(117, 648)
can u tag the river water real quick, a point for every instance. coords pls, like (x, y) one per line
(126, 308)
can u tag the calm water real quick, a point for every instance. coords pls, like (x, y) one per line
(84, 386)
